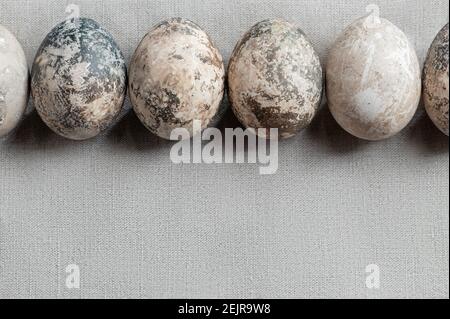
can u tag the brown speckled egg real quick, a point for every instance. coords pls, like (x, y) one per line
(176, 76)
(275, 79)
(435, 81)
(14, 80)
(373, 79)
(78, 80)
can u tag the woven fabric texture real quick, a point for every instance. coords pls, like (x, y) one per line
(139, 226)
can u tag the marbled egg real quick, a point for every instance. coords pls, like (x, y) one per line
(373, 79)
(275, 79)
(14, 80)
(176, 76)
(78, 80)
(435, 81)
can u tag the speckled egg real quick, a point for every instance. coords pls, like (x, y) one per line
(435, 81)
(373, 79)
(78, 80)
(275, 79)
(14, 79)
(176, 76)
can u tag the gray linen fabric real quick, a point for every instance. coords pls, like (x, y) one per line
(139, 226)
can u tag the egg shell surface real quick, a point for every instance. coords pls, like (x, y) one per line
(78, 80)
(275, 79)
(373, 79)
(14, 82)
(176, 76)
(436, 81)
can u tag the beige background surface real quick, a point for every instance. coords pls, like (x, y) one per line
(139, 226)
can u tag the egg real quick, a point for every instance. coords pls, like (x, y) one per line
(176, 77)
(275, 79)
(14, 80)
(373, 79)
(435, 81)
(78, 80)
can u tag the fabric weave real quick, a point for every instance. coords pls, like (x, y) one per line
(139, 226)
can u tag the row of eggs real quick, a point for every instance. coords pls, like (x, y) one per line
(275, 79)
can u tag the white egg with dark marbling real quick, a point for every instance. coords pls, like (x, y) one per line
(78, 80)
(373, 79)
(14, 80)
(436, 81)
(275, 79)
(176, 76)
